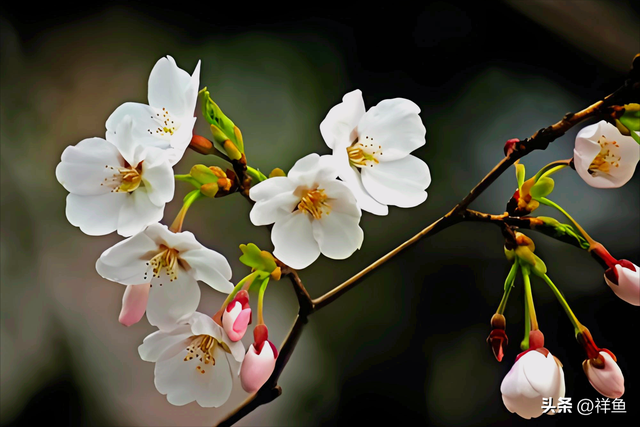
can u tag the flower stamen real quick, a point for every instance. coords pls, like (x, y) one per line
(363, 155)
(167, 124)
(606, 159)
(314, 202)
(167, 259)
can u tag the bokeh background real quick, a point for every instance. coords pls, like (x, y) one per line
(407, 346)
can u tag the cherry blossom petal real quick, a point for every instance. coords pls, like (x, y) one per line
(313, 169)
(157, 176)
(144, 126)
(210, 267)
(182, 242)
(628, 286)
(339, 126)
(95, 215)
(179, 379)
(170, 301)
(85, 167)
(338, 235)
(134, 304)
(154, 345)
(257, 368)
(127, 261)
(341, 199)
(173, 88)
(138, 212)
(293, 240)
(219, 384)
(608, 381)
(400, 183)
(395, 125)
(274, 200)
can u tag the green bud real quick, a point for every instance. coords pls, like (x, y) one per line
(210, 189)
(525, 254)
(549, 222)
(631, 117)
(542, 188)
(214, 115)
(510, 254)
(203, 174)
(277, 172)
(539, 268)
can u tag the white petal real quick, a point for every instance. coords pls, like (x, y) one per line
(608, 380)
(313, 169)
(85, 167)
(210, 267)
(143, 122)
(168, 86)
(400, 183)
(393, 124)
(180, 140)
(274, 200)
(138, 212)
(157, 176)
(293, 240)
(126, 261)
(628, 287)
(201, 324)
(95, 215)
(182, 242)
(179, 379)
(341, 198)
(158, 342)
(340, 123)
(353, 179)
(219, 385)
(170, 301)
(338, 235)
(542, 373)
(124, 140)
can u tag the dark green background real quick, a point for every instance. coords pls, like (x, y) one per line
(407, 347)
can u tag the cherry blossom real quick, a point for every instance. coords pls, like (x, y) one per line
(603, 157)
(167, 122)
(196, 361)
(171, 263)
(624, 279)
(372, 150)
(116, 184)
(312, 213)
(608, 380)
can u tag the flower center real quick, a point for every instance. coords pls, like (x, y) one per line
(125, 179)
(202, 348)
(167, 259)
(314, 202)
(167, 124)
(606, 159)
(363, 154)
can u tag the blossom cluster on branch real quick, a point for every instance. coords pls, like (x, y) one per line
(122, 183)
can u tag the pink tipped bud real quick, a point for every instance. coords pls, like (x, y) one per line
(606, 379)
(237, 316)
(510, 146)
(257, 367)
(134, 304)
(624, 279)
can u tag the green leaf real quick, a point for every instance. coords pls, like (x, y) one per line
(258, 260)
(520, 174)
(542, 188)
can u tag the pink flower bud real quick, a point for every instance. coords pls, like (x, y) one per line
(258, 366)
(237, 316)
(624, 279)
(134, 304)
(510, 146)
(608, 379)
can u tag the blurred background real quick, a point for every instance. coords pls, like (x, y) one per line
(407, 346)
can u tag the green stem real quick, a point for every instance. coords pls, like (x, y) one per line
(508, 285)
(194, 195)
(551, 168)
(588, 238)
(255, 174)
(238, 287)
(263, 288)
(563, 302)
(528, 296)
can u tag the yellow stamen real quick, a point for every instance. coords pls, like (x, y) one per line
(314, 202)
(363, 154)
(606, 158)
(202, 348)
(167, 259)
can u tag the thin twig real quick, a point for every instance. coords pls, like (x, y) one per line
(539, 141)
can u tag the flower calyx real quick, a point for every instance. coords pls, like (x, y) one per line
(498, 339)
(524, 252)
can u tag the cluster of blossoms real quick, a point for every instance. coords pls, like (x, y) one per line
(604, 158)
(123, 182)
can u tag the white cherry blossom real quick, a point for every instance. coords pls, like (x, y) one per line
(624, 280)
(167, 122)
(196, 361)
(115, 185)
(603, 157)
(372, 150)
(607, 380)
(172, 263)
(533, 376)
(312, 213)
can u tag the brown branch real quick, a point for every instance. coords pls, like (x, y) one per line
(539, 141)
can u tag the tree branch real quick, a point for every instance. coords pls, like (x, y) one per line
(538, 141)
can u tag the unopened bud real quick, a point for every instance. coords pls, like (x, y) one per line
(210, 189)
(200, 144)
(510, 146)
(203, 174)
(237, 316)
(277, 172)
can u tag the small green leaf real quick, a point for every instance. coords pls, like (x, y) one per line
(520, 174)
(542, 188)
(258, 260)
